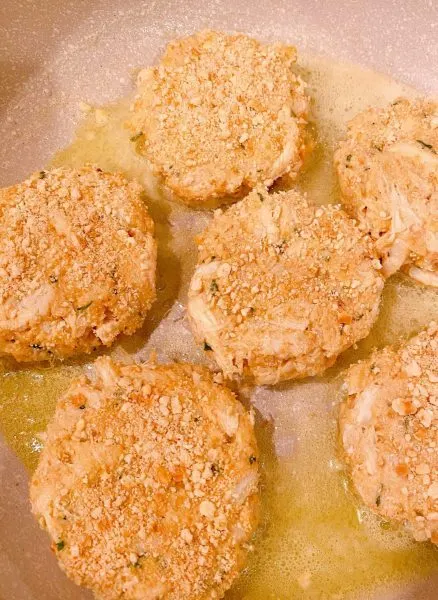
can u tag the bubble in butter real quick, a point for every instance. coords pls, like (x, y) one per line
(315, 539)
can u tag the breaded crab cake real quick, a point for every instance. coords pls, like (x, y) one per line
(389, 429)
(148, 483)
(388, 173)
(77, 263)
(220, 114)
(282, 288)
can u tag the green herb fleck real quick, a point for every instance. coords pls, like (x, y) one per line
(379, 496)
(378, 147)
(428, 146)
(214, 286)
(252, 459)
(207, 347)
(348, 157)
(262, 198)
(85, 306)
(215, 469)
(281, 247)
(60, 545)
(42, 175)
(385, 525)
(136, 137)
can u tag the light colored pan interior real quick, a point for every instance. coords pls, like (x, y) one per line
(55, 54)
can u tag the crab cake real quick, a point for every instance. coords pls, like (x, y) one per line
(148, 483)
(218, 115)
(389, 428)
(282, 288)
(77, 264)
(388, 173)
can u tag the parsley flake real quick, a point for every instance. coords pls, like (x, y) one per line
(424, 145)
(85, 306)
(136, 137)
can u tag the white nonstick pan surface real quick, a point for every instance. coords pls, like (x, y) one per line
(54, 54)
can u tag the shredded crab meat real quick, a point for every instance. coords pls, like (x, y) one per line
(406, 227)
(245, 487)
(424, 276)
(29, 309)
(397, 255)
(413, 150)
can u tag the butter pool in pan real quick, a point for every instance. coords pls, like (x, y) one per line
(316, 540)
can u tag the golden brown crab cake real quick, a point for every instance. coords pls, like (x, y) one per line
(388, 173)
(220, 114)
(77, 265)
(282, 288)
(148, 483)
(389, 429)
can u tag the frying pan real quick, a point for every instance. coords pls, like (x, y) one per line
(55, 53)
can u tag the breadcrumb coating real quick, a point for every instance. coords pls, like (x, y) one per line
(282, 288)
(388, 173)
(389, 429)
(220, 114)
(77, 265)
(148, 483)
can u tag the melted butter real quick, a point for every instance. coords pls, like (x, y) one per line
(315, 540)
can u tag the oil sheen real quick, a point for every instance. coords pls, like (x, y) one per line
(315, 539)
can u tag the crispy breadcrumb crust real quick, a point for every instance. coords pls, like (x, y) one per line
(282, 288)
(77, 264)
(389, 430)
(388, 174)
(219, 114)
(148, 482)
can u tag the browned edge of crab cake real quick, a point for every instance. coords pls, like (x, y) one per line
(389, 432)
(388, 174)
(220, 114)
(148, 482)
(281, 288)
(77, 265)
